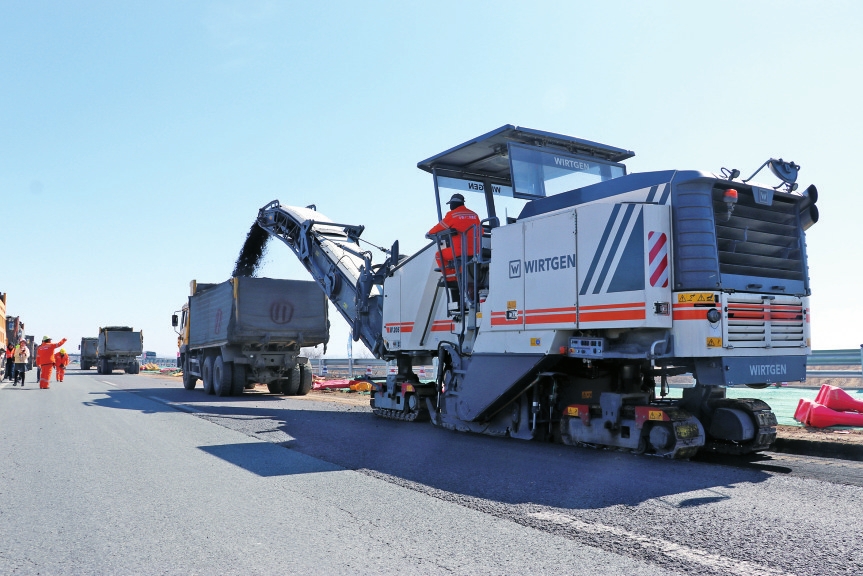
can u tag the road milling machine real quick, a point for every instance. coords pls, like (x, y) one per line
(586, 290)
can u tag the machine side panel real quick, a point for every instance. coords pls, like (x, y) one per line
(505, 303)
(549, 269)
(611, 266)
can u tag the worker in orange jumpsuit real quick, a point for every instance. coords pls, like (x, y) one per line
(61, 360)
(10, 361)
(464, 222)
(45, 360)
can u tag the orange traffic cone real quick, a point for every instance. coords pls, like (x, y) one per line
(838, 399)
(822, 417)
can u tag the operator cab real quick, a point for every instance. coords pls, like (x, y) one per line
(512, 166)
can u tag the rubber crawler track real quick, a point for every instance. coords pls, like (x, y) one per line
(419, 415)
(765, 421)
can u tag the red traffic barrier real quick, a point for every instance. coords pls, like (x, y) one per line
(821, 417)
(838, 399)
(802, 412)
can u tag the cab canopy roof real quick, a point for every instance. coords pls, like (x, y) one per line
(486, 157)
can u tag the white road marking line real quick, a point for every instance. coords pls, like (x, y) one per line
(671, 549)
(109, 383)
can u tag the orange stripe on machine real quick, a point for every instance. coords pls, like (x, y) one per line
(612, 312)
(399, 327)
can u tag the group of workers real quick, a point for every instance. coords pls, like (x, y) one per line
(17, 357)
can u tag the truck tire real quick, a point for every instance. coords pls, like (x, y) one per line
(222, 377)
(106, 366)
(189, 381)
(305, 379)
(238, 383)
(207, 374)
(291, 382)
(274, 387)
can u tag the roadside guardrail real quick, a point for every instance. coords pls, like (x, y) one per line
(850, 357)
(356, 367)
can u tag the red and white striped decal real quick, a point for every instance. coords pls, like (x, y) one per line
(612, 312)
(657, 245)
(443, 326)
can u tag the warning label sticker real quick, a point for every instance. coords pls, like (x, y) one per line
(714, 342)
(684, 297)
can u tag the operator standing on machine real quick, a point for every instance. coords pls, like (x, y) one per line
(463, 220)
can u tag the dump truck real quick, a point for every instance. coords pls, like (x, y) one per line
(250, 330)
(586, 290)
(88, 352)
(118, 348)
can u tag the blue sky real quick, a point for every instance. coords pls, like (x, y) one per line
(137, 141)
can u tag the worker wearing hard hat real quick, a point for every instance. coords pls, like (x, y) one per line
(61, 360)
(45, 360)
(465, 223)
(22, 355)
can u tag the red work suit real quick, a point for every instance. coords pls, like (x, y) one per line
(45, 361)
(61, 360)
(462, 220)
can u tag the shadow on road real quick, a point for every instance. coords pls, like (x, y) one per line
(498, 469)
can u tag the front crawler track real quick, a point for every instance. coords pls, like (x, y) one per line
(762, 417)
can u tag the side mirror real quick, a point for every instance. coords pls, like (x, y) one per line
(175, 321)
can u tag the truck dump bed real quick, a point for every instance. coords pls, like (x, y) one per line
(88, 347)
(120, 340)
(246, 310)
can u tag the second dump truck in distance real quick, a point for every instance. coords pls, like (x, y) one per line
(88, 352)
(118, 347)
(249, 330)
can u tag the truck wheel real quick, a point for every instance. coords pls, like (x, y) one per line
(305, 379)
(222, 377)
(238, 383)
(136, 368)
(274, 387)
(189, 381)
(291, 383)
(106, 366)
(207, 374)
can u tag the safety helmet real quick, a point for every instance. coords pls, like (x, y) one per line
(456, 199)
(46, 338)
(22, 341)
(62, 350)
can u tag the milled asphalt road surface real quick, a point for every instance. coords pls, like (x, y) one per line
(144, 477)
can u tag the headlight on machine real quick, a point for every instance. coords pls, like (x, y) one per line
(713, 316)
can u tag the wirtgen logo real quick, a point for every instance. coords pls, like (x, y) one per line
(515, 268)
